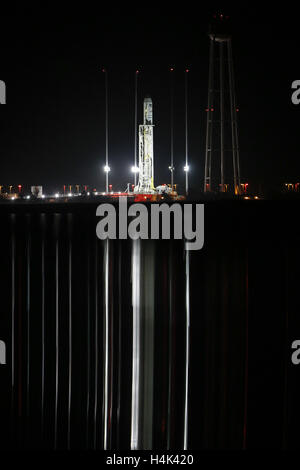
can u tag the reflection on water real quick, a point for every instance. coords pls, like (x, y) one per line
(138, 344)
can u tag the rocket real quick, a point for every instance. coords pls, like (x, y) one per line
(148, 113)
(146, 160)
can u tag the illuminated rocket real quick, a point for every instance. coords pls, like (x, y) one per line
(146, 170)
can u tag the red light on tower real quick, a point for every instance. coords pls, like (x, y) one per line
(187, 70)
(19, 187)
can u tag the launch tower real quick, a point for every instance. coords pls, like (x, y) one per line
(146, 170)
(222, 143)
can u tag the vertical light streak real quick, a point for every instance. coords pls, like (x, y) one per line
(56, 339)
(70, 339)
(88, 351)
(28, 248)
(43, 328)
(106, 345)
(96, 348)
(13, 293)
(171, 306)
(135, 395)
(187, 353)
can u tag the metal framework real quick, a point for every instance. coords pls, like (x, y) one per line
(218, 106)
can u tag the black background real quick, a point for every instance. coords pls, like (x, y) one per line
(52, 132)
(52, 129)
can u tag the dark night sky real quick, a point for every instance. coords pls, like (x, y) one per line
(52, 129)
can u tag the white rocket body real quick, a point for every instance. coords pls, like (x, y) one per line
(146, 160)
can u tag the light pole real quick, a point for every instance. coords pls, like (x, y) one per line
(171, 167)
(106, 168)
(186, 168)
(135, 123)
(106, 171)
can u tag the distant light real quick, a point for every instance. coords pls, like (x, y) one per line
(120, 192)
(70, 194)
(103, 194)
(106, 169)
(88, 194)
(27, 197)
(171, 69)
(43, 196)
(12, 198)
(187, 70)
(256, 197)
(56, 195)
(171, 168)
(96, 193)
(186, 168)
(137, 71)
(135, 169)
(246, 197)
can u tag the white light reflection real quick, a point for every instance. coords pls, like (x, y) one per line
(136, 287)
(187, 351)
(106, 345)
